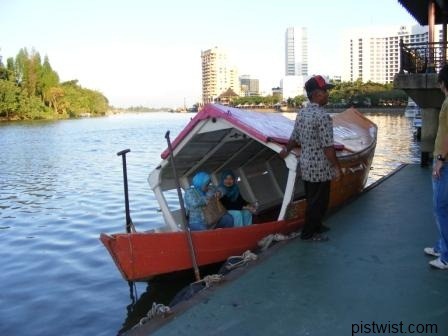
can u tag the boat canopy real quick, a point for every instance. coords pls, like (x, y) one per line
(248, 142)
(221, 137)
(263, 126)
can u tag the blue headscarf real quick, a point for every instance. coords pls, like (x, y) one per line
(200, 180)
(231, 192)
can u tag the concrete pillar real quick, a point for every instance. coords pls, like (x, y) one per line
(430, 123)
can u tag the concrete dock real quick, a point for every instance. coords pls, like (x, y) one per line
(371, 274)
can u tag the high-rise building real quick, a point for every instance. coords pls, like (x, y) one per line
(296, 52)
(249, 86)
(373, 54)
(217, 75)
(292, 86)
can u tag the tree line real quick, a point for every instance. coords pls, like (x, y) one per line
(344, 94)
(31, 89)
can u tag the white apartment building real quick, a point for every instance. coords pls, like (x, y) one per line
(217, 75)
(373, 54)
(292, 86)
(296, 51)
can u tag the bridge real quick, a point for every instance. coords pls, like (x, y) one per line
(420, 63)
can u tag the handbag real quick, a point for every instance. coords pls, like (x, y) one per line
(213, 211)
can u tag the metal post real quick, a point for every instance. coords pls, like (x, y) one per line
(129, 223)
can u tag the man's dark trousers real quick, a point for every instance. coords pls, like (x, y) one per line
(317, 196)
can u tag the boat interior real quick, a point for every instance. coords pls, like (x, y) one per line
(262, 174)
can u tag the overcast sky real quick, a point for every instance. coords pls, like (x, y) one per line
(145, 52)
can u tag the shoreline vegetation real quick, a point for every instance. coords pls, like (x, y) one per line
(31, 90)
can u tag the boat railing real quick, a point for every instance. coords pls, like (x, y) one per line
(422, 57)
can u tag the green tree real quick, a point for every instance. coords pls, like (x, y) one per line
(30, 89)
(9, 99)
(48, 79)
(365, 94)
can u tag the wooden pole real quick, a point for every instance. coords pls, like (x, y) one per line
(182, 207)
(431, 25)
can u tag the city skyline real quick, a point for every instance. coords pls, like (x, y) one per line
(149, 53)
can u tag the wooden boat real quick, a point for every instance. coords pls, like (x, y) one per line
(247, 142)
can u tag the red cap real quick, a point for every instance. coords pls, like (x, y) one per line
(317, 83)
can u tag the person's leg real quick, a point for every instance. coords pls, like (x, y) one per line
(323, 202)
(247, 217)
(225, 221)
(310, 226)
(237, 217)
(317, 197)
(440, 202)
(196, 226)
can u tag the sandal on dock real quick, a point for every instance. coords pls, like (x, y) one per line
(317, 237)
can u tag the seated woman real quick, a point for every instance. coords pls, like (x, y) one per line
(196, 197)
(236, 205)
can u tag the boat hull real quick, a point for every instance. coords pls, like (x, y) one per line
(140, 256)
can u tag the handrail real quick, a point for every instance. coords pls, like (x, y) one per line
(422, 57)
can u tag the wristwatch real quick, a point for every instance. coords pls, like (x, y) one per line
(440, 158)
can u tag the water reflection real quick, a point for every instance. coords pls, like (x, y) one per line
(395, 144)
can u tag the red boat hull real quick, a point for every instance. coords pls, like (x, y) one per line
(139, 256)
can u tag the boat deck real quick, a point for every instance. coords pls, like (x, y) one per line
(372, 270)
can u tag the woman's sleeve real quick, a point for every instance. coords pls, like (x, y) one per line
(242, 201)
(193, 199)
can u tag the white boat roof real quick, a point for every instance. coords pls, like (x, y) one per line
(263, 126)
(221, 137)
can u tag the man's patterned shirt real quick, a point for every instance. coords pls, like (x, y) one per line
(313, 131)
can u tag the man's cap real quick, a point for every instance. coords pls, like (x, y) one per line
(317, 83)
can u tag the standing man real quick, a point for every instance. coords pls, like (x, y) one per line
(313, 132)
(440, 180)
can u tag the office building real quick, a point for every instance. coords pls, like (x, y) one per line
(296, 51)
(217, 75)
(373, 54)
(249, 86)
(292, 86)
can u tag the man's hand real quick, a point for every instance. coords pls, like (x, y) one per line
(283, 153)
(436, 170)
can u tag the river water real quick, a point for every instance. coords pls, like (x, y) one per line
(61, 185)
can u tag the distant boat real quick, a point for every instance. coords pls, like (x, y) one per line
(248, 142)
(417, 125)
(412, 109)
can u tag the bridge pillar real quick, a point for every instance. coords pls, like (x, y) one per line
(430, 122)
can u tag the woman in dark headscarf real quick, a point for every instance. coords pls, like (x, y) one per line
(196, 197)
(236, 205)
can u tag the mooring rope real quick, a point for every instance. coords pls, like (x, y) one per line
(237, 261)
(265, 242)
(211, 279)
(156, 310)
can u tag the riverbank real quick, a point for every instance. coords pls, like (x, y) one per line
(392, 110)
(368, 109)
